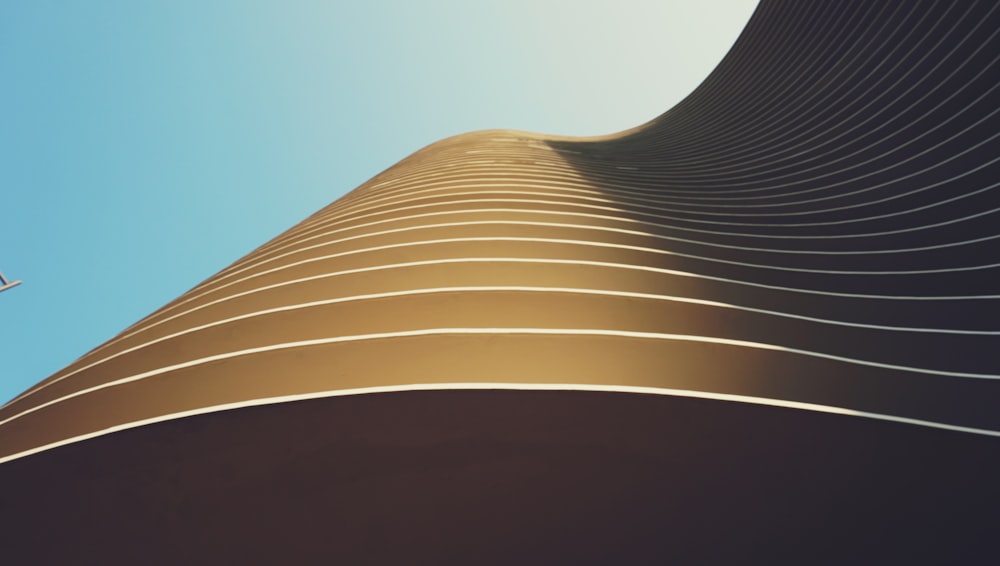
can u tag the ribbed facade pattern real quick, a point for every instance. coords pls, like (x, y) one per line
(815, 226)
(794, 274)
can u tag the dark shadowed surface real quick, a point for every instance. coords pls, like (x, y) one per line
(507, 477)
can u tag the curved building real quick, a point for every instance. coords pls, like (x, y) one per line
(760, 328)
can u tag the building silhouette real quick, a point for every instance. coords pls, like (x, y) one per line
(762, 327)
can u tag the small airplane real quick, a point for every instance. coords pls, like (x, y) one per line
(5, 284)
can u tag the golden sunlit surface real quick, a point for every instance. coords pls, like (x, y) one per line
(490, 258)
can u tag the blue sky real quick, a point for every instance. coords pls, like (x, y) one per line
(146, 145)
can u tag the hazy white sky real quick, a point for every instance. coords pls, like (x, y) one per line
(147, 145)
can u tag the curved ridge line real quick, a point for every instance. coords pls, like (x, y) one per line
(475, 386)
(497, 288)
(484, 331)
(137, 329)
(210, 287)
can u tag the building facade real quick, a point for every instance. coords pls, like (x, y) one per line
(761, 327)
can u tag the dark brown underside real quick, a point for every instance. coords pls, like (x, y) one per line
(513, 477)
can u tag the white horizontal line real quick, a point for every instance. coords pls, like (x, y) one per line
(150, 323)
(829, 409)
(491, 288)
(214, 285)
(628, 216)
(296, 244)
(496, 331)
